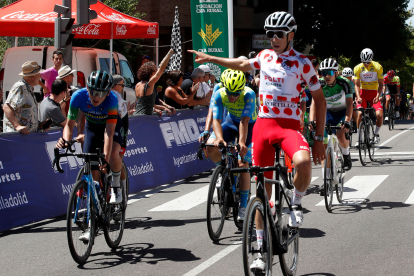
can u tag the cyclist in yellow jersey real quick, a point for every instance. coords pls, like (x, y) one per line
(368, 87)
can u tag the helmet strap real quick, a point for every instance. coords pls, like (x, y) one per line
(332, 84)
(288, 43)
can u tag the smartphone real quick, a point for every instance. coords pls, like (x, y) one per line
(47, 124)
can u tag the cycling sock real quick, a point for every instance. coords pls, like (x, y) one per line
(259, 237)
(297, 197)
(116, 179)
(377, 129)
(345, 151)
(244, 196)
(323, 173)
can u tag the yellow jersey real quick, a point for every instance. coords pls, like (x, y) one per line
(369, 76)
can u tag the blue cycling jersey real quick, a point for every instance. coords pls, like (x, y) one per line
(106, 112)
(245, 106)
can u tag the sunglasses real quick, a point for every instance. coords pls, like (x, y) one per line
(234, 94)
(100, 94)
(276, 34)
(123, 85)
(328, 73)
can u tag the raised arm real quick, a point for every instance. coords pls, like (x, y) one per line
(161, 69)
(232, 63)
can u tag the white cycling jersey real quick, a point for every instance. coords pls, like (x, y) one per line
(122, 105)
(281, 78)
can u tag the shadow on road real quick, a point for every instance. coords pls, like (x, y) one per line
(148, 222)
(139, 253)
(38, 227)
(319, 274)
(311, 233)
(367, 205)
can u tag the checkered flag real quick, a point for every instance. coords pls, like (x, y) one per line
(175, 60)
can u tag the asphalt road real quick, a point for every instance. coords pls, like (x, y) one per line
(166, 233)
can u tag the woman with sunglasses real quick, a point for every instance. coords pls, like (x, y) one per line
(282, 70)
(339, 101)
(368, 87)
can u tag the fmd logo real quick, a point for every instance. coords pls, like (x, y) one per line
(71, 161)
(209, 37)
(181, 133)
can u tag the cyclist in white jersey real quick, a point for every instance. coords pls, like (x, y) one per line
(282, 70)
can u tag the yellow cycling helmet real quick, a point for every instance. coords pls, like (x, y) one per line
(234, 81)
(224, 75)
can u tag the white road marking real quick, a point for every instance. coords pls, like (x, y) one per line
(185, 202)
(388, 153)
(150, 192)
(393, 137)
(314, 178)
(357, 189)
(410, 199)
(203, 266)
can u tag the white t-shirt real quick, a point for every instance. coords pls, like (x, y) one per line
(281, 78)
(122, 105)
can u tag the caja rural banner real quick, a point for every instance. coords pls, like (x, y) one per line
(209, 23)
(160, 150)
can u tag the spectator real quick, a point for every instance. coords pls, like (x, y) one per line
(144, 90)
(50, 108)
(204, 88)
(20, 108)
(194, 82)
(50, 74)
(174, 95)
(187, 74)
(66, 74)
(145, 59)
(213, 81)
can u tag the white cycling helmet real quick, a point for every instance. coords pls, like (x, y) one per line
(347, 72)
(329, 63)
(367, 55)
(280, 20)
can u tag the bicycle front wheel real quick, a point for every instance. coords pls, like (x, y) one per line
(328, 180)
(254, 251)
(114, 221)
(390, 116)
(216, 204)
(370, 139)
(340, 186)
(77, 223)
(362, 141)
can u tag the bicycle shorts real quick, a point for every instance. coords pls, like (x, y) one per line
(368, 96)
(333, 119)
(231, 132)
(390, 90)
(267, 132)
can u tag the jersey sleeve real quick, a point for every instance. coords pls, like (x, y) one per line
(112, 108)
(255, 62)
(216, 87)
(217, 106)
(74, 106)
(380, 72)
(249, 105)
(309, 76)
(356, 72)
(397, 79)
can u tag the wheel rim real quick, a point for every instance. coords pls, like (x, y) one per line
(217, 205)
(340, 185)
(362, 144)
(328, 181)
(371, 138)
(114, 229)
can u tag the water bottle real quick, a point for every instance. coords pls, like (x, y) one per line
(272, 207)
(98, 189)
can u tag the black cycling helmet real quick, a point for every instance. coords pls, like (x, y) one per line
(100, 80)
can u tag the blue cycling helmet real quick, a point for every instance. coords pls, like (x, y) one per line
(100, 80)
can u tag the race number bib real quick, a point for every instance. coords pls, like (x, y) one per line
(369, 76)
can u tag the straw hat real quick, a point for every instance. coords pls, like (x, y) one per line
(30, 68)
(64, 72)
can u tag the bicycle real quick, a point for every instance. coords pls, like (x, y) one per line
(87, 209)
(391, 113)
(366, 135)
(278, 237)
(334, 162)
(224, 190)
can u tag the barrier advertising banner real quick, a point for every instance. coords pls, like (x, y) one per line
(160, 150)
(210, 32)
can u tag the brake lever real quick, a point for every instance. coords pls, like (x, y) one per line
(56, 161)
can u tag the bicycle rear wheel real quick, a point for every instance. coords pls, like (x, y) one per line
(288, 236)
(328, 180)
(370, 140)
(251, 248)
(362, 143)
(340, 186)
(390, 116)
(216, 204)
(77, 223)
(115, 221)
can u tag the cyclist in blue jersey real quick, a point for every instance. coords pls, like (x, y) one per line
(100, 107)
(240, 102)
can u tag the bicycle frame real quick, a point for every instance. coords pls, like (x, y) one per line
(333, 144)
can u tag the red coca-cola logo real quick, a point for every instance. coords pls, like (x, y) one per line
(90, 29)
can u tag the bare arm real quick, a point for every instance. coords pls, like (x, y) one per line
(171, 93)
(232, 63)
(160, 70)
(219, 132)
(9, 113)
(312, 111)
(244, 128)
(357, 88)
(45, 90)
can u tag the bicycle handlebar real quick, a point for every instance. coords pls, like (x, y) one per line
(230, 146)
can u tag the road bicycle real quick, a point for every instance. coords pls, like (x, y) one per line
(366, 135)
(391, 113)
(89, 209)
(335, 177)
(287, 162)
(278, 237)
(224, 190)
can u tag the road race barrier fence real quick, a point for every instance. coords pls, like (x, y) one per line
(160, 150)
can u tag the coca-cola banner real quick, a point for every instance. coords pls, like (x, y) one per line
(109, 24)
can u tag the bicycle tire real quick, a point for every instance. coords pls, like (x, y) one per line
(362, 143)
(126, 190)
(340, 186)
(289, 259)
(328, 180)
(390, 116)
(216, 204)
(249, 245)
(370, 140)
(79, 250)
(115, 221)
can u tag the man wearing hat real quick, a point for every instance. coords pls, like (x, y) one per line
(49, 75)
(204, 88)
(66, 74)
(20, 108)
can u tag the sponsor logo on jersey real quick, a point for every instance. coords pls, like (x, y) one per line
(313, 81)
